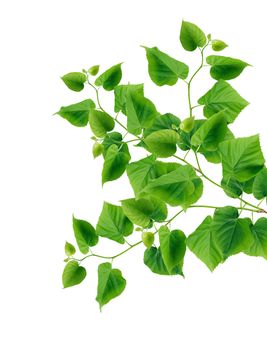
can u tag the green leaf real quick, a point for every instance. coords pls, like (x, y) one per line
(218, 45)
(173, 247)
(260, 184)
(225, 68)
(259, 245)
(74, 81)
(163, 122)
(73, 274)
(112, 138)
(115, 163)
(78, 113)
(179, 187)
(231, 234)
(201, 242)
(143, 211)
(242, 158)
(121, 92)
(234, 188)
(100, 122)
(215, 156)
(69, 249)
(110, 78)
(110, 284)
(153, 259)
(223, 97)
(140, 112)
(141, 172)
(163, 69)
(191, 36)
(211, 133)
(97, 150)
(148, 238)
(93, 70)
(113, 224)
(162, 143)
(85, 234)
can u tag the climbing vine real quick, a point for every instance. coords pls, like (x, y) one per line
(158, 184)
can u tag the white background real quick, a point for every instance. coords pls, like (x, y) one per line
(48, 173)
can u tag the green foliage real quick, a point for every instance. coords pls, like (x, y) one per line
(116, 160)
(74, 81)
(100, 122)
(69, 249)
(144, 211)
(163, 69)
(110, 78)
(140, 112)
(225, 68)
(242, 158)
(223, 97)
(260, 185)
(173, 247)
(110, 284)
(113, 223)
(148, 238)
(201, 242)
(178, 181)
(191, 36)
(85, 234)
(218, 45)
(73, 274)
(78, 113)
(162, 143)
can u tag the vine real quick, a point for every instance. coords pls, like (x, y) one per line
(157, 184)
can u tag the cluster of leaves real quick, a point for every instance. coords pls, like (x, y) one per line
(158, 184)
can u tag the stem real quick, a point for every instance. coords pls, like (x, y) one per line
(218, 207)
(193, 76)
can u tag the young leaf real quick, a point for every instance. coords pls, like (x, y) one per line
(69, 249)
(93, 70)
(218, 45)
(148, 238)
(100, 122)
(163, 69)
(115, 163)
(201, 243)
(121, 92)
(110, 78)
(73, 274)
(225, 68)
(172, 245)
(85, 234)
(223, 97)
(260, 184)
(153, 259)
(78, 113)
(113, 224)
(163, 122)
(140, 112)
(242, 158)
(74, 81)
(111, 284)
(162, 143)
(179, 187)
(191, 36)
(259, 245)
(143, 211)
(211, 133)
(98, 149)
(231, 234)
